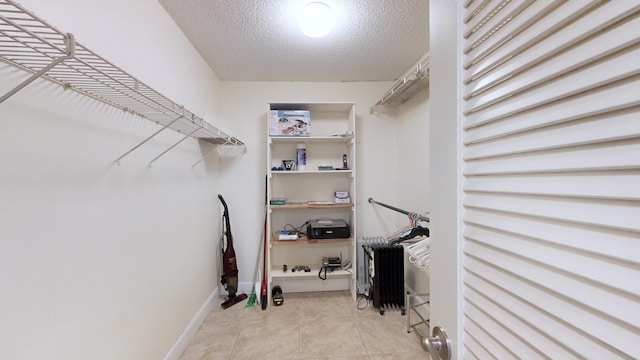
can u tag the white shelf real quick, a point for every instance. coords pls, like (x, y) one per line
(31, 44)
(304, 240)
(314, 172)
(343, 138)
(312, 106)
(311, 206)
(277, 273)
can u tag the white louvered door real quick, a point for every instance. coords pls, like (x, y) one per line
(551, 179)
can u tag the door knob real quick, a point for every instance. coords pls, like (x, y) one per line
(439, 345)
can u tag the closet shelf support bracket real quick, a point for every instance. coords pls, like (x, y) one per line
(176, 144)
(147, 139)
(70, 53)
(204, 158)
(228, 141)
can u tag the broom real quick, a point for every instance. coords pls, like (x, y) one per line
(251, 302)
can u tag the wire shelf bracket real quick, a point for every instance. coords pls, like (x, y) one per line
(31, 44)
(203, 158)
(70, 52)
(172, 146)
(145, 140)
(412, 81)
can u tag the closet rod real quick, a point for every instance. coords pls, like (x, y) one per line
(421, 217)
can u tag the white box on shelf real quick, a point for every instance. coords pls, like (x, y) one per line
(341, 197)
(289, 123)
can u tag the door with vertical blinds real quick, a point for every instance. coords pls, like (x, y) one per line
(551, 188)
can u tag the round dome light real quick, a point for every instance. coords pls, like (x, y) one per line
(316, 19)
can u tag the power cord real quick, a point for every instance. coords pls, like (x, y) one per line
(346, 267)
(325, 273)
(296, 230)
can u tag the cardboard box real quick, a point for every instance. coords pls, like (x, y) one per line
(289, 123)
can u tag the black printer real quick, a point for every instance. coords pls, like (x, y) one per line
(328, 229)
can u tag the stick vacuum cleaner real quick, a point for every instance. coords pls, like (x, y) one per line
(229, 266)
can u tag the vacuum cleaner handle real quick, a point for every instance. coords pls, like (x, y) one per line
(227, 222)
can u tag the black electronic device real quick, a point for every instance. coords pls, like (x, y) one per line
(331, 261)
(328, 229)
(276, 296)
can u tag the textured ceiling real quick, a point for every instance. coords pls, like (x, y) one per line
(259, 40)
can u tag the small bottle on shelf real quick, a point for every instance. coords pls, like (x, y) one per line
(301, 157)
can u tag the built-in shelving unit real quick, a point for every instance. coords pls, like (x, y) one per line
(31, 44)
(308, 195)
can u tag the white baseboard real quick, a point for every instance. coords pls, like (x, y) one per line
(189, 332)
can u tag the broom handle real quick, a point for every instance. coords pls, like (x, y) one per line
(263, 295)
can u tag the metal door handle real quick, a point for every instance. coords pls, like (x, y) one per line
(439, 345)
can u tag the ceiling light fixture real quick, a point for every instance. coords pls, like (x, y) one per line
(316, 19)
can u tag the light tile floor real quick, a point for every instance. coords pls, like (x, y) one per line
(325, 325)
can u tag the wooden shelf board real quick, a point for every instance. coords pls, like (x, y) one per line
(305, 240)
(309, 206)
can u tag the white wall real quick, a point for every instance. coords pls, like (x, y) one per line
(413, 153)
(413, 172)
(409, 172)
(99, 261)
(444, 169)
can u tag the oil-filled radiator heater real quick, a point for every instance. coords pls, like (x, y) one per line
(381, 273)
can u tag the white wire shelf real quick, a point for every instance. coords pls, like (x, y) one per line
(31, 44)
(412, 81)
